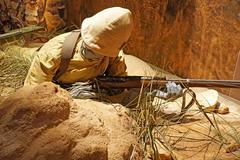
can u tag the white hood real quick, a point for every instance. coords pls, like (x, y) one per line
(106, 32)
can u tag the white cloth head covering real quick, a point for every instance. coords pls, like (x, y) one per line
(107, 31)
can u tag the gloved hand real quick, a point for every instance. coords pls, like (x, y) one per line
(172, 90)
(82, 90)
(85, 90)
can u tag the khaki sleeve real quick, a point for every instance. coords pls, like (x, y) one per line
(117, 66)
(43, 68)
(46, 62)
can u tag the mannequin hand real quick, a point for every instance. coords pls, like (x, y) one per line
(172, 90)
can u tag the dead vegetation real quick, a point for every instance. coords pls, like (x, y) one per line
(13, 70)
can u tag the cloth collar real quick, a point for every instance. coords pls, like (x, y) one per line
(88, 54)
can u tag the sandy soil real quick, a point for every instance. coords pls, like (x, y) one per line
(197, 139)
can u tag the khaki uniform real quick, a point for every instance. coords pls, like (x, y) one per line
(46, 63)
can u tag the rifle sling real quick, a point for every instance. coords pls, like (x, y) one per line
(67, 53)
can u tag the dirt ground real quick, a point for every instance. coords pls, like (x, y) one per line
(197, 139)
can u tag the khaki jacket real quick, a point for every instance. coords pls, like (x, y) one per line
(47, 60)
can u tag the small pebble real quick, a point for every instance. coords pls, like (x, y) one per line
(223, 109)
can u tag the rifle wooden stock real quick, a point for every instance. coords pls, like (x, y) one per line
(139, 81)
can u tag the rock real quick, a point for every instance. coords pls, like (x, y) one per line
(44, 122)
(165, 156)
(223, 109)
(160, 153)
(232, 147)
(209, 99)
(163, 153)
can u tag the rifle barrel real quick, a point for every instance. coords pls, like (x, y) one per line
(139, 81)
(207, 83)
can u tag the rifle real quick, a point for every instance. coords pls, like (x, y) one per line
(112, 82)
(113, 85)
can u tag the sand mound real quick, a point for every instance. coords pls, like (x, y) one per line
(44, 122)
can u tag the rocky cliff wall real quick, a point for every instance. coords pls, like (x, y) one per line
(19, 13)
(191, 38)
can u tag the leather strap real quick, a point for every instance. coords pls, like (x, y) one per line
(67, 53)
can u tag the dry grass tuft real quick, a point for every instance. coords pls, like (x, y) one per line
(13, 70)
